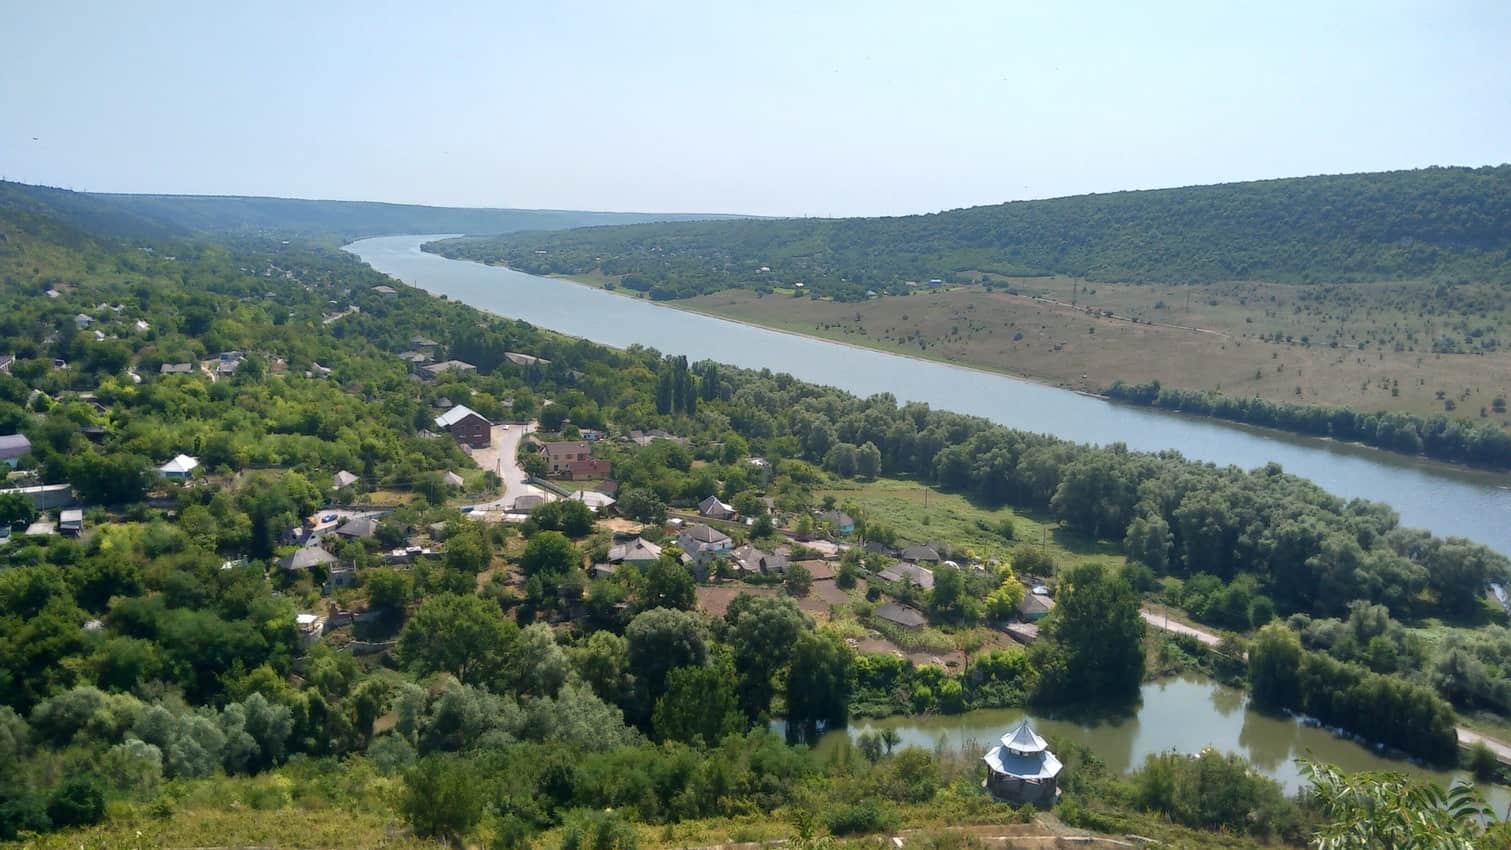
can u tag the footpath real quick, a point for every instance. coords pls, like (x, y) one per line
(1467, 737)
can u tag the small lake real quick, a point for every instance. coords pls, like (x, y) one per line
(1444, 499)
(1182, 715)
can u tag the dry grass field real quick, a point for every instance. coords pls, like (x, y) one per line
(1368, 347)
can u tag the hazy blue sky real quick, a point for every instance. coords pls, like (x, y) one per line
(778, 108)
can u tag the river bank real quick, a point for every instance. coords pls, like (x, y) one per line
(808, 318)
(1442, 499)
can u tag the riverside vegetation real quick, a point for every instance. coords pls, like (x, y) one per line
(1304, 304)
(159, 692)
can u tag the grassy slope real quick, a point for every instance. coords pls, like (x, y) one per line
(1068, 347)
(920, 513)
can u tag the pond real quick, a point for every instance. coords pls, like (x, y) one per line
(1182, 714)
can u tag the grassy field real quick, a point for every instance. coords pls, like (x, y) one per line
(1368, 347)
(920, 514)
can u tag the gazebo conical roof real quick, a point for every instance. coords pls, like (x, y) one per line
(1022, 740)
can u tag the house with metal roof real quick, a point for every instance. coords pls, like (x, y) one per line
(702, 543)
(344, 479)
(179, 469)
(467, 425)
(901, 615)
(634, 551)
(1021, 769)
(306, 557)
(13, 447)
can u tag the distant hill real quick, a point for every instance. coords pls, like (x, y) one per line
(158, 216)
(1453, 222)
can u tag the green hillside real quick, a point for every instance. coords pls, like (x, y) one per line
(160, 216)
(1451, 222)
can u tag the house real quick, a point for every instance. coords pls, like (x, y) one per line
(13, 447)
(1035, 607)
(588, 469)
(599, 502)
(422, 342)
(176, 369)
(701, 543)
(306, 557)
(749, 559)
(1021, 769)
(524, 359)
(843, 523)
(467, 426)
(451, 479)
(645, 438)
(385, 291)
(416, 358)
(6, 361)
(71, 522)
(560, 454)
(759, 463)
(359, 528)
(909, 574)
(608, 487)
(712, 508)
(818, 570)
(343, 479)
(902, 615)
(228, 362)
(637, 551)
(179, 468)
(920, 555)
(83, 321)
(142, 326)
(435, 370)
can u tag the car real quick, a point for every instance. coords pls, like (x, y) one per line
(506, 426)
(1040, 590)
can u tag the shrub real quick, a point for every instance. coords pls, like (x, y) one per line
(79, 801)
(861, 818)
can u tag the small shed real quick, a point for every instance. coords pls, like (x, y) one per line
(178, 469)
(71, 522)
(1021, 769)
(344, 479)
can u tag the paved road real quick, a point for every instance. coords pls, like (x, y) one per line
(500, 457)
(1467, 737)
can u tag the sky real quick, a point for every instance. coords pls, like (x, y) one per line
(771, 108)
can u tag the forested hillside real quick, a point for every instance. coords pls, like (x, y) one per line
(1448, 222)
(173, 673)
(157, 216)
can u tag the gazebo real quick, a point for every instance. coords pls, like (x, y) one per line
(1021, 769)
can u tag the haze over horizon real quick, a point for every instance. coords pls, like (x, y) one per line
(674, 107)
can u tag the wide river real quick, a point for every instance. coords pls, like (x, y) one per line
(1181, 715)
(1445, 499)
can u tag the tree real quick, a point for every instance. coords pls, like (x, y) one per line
(468, 550)
(443, 797)
(78, 801)
(798, 581)
(111, 479)
(659, 641)
(1097, 630)
(642, 505)
(1366, 811)
(465, 636)
(603, 661)
(549, 554)
(569, 516)
(1274, 665)
(388, 589)
(15, 509)
(1002, 603)
(819, 684)
(539, 666)
(667, 584)
(699, 706)
(761, 630)
(951, 601)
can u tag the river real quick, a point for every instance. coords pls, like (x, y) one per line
(1445, 499)
(1182, 715)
